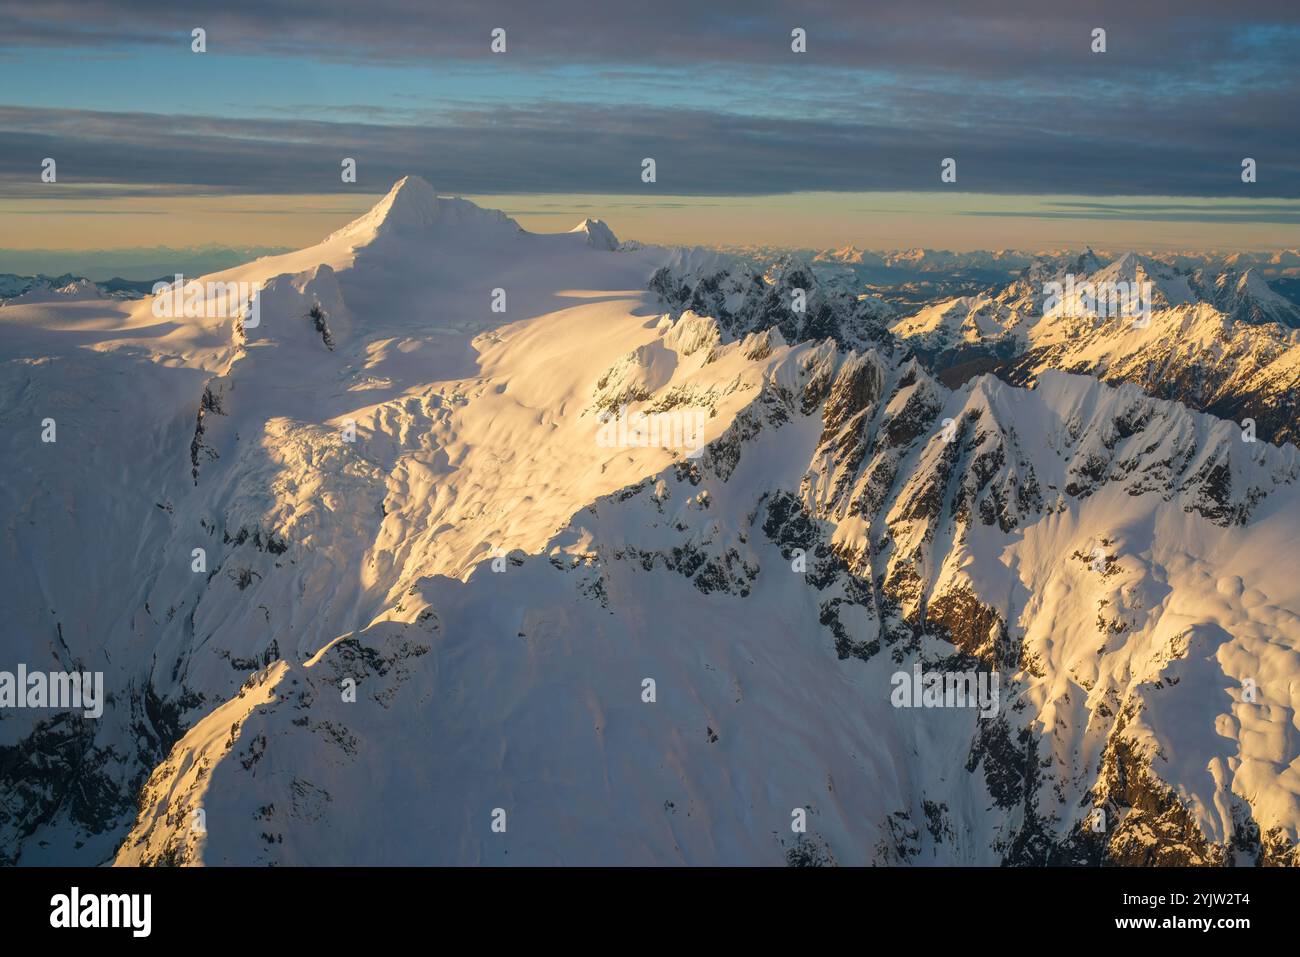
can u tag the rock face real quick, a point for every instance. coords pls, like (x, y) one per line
(789, 296)
(378, 582)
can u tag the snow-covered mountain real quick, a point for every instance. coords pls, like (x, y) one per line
(921, 261)
(449, 613)
(1223, 343)
(788, 295)
(1245, 297)
(28, 289)
(1285, 262)
(22, 289)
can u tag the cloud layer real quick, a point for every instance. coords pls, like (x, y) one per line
(1009, 88)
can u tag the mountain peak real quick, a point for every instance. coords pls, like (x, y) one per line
(599, 235)
(1132, 259)
(1087, 263)
(413, 205)
(412, 194)
(1253, 284)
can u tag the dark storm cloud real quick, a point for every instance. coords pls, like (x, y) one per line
(580, 148)
(991, 37)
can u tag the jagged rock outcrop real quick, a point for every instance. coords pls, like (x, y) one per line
(789, 297)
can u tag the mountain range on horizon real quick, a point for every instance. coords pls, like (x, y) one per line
(897, 265)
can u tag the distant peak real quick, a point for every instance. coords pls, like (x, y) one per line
(1252, 285)
(1086, 263)
(599, 235)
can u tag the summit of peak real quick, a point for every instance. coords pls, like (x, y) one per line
(598, 233)
(1253, 283)
(1129, 261)
(1133, 264)
(1086, 262)
(412, 193)
(413, 204)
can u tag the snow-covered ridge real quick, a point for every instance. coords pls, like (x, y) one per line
(21, 290)
(1221, 342)
(1282, 262)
